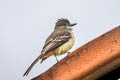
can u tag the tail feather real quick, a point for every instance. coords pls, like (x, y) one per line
(43, 60)
(31, 66)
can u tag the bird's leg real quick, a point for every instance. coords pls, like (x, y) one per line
(56, 57)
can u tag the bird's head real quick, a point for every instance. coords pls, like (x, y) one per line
(64, 23)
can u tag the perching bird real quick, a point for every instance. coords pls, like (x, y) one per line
(59, 42)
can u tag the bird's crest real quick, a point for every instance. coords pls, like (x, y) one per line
(62, 21)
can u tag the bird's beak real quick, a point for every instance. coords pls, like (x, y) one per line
(72, 24)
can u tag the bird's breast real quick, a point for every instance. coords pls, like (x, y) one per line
(66, 46)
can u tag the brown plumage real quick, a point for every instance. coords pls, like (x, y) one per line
(53, 44)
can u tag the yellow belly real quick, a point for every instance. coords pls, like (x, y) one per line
(63, 48)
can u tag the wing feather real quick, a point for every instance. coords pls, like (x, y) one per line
(55, 40)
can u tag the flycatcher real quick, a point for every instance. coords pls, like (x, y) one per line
(59, 42)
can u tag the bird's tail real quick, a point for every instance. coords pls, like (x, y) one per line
(31, 66)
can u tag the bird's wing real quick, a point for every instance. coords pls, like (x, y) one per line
(55, 40)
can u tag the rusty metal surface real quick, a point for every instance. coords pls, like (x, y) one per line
(87, 61)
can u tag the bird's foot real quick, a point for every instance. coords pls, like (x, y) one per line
(68, 52)
(56, 58)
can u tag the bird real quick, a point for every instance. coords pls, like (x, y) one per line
(59, 42)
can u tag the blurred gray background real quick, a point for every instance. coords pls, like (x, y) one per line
(25, 24)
